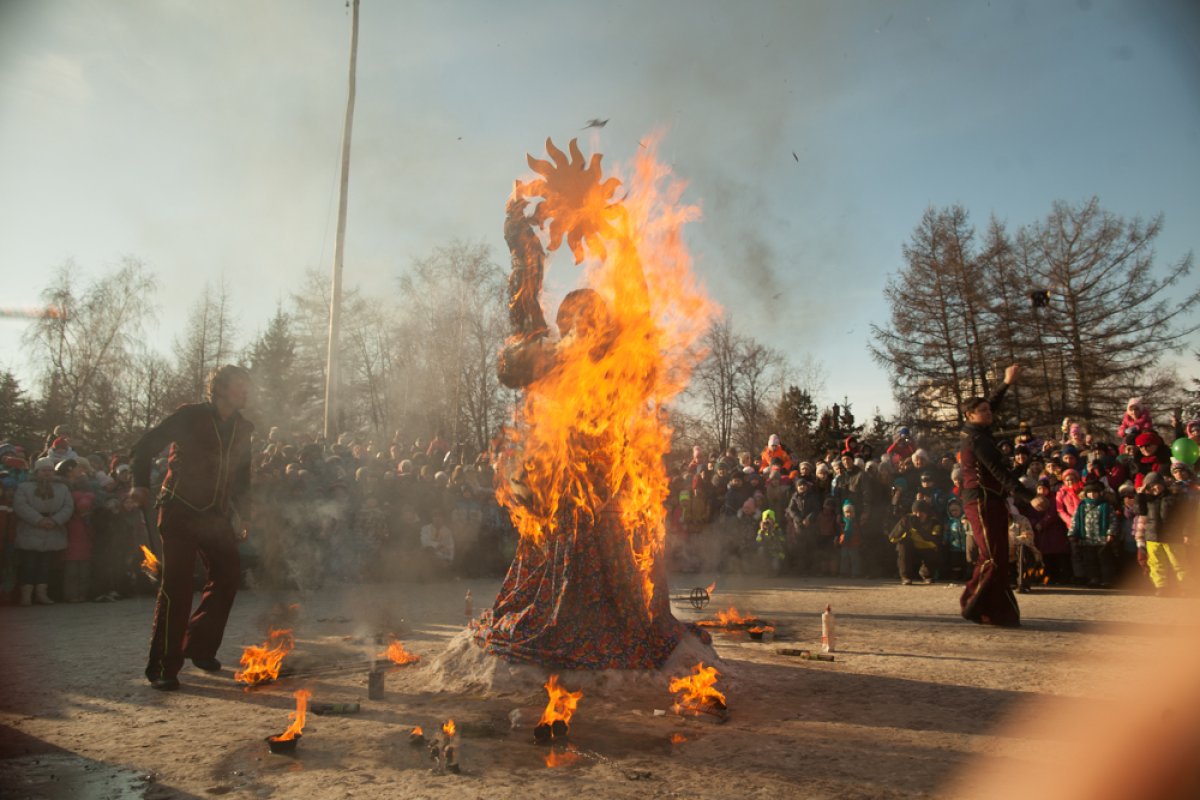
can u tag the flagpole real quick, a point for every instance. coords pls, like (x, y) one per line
(332, 368)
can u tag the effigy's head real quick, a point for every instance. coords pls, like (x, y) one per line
(582, 312)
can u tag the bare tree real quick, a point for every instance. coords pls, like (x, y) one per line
(1111, 313)
(94, 329)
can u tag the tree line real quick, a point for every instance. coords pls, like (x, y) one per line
(1078, 297)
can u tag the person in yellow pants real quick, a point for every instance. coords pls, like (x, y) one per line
(1156, 529)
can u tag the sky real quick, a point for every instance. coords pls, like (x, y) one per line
(204, 139)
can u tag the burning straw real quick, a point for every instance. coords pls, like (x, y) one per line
(262, 663)
(697, 693)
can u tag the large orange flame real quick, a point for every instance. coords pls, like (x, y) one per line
(297, 717)
(398, 655)
(448, 728)
(261, 663)
(592, 431)
(561, 705)
(697, 692)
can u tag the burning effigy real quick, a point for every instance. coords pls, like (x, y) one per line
(581, 470)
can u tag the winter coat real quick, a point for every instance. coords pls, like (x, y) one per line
(1093, 522)
(923, 534)
(31, 509)
(1066, 501)
(79, 527)
(1049, 532)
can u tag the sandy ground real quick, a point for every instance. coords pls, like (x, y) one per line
(914, 695)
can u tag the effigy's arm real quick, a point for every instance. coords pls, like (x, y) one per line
(526, 355)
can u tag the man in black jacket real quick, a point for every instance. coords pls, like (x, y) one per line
(207, 482)
(986, 484)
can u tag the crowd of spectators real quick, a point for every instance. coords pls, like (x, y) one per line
(1109, 507)
(1106, 509)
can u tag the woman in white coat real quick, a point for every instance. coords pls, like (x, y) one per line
(42, 505)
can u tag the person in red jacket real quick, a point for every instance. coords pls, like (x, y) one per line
(207, 484)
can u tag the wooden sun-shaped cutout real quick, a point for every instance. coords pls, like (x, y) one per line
(574, 199)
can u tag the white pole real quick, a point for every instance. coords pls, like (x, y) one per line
(332, 370)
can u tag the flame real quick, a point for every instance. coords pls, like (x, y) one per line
(448, 728)
(149, 562)
(678, 738)
(761, 629)
(296, 716)
(417, 731)
(261, 663)
(712, 589)
(592, 431)
(697, 692)
(398, 655)
(561, 759)
(561, 705)
(727, 619)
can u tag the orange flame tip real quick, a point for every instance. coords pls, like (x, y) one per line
(561, 705)
(449, 728)
(297, 716)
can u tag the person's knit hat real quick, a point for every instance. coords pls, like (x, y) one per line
(1070, 473)
(1070, 450)
(1127, 488)
(902, 432)
(1093, 486)
(1176, 464)
(774, 441)
(43, 463)
(60, 443)
(1193, 424)
(1149, 437)
(1150, 479)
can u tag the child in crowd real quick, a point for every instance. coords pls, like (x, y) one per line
(828, 528)
(1127, 547)
(1050, 537)
(77, 567)
(916, 537)
(769, 538)
(1093, 534)
(957, 531)
(1155, 530)
(849, 542)
(1022, 550)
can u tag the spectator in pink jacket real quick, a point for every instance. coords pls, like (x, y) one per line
(1137, 416)
(1067, 499)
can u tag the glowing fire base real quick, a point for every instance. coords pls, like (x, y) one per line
(465, 665)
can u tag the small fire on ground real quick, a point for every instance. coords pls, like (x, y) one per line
(448, 728)
(556, 719)
(297, 717)
(697, 693)
(261, 663)
(729, 619)
(398, 655)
